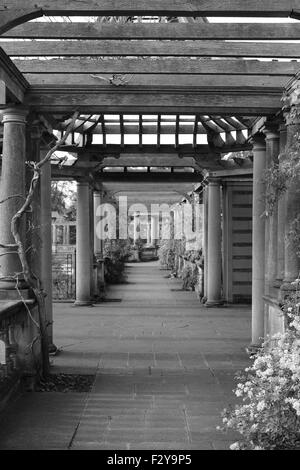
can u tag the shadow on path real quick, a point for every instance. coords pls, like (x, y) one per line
(163, 366)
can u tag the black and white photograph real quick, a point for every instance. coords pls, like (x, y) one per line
(149, 228)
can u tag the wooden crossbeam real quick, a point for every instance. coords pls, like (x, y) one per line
(11, 79)
(154, 48)
(186, 66)
(221, 81)
(152, 161)
(186, 31)
(267, 8)
(143, 100)
(143, 177)
(184, 150)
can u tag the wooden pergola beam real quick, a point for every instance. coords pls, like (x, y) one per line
(186, 66)
(11, 79)
(183, 31)
(150, 161)
(142, 100)
(154, 48)
(96, 152)
(267, 8)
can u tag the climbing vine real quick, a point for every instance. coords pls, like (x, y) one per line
(278, 178)
(280, 175)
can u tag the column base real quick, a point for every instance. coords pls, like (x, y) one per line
(214, 303)
(53, 350)
(253, 349)
(83, 303)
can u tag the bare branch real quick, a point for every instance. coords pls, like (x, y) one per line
(12, 197)
(6, 246)
(32, 281)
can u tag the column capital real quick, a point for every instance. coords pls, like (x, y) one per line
(82, 181)
(258, 142)
(271, 131)
(213, 180)
(14, 114)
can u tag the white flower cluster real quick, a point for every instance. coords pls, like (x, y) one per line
(269, 414)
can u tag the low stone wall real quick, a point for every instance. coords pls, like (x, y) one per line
(20, 347)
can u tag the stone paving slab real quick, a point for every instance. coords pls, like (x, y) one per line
(164, 369)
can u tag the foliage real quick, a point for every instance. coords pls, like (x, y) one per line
(189, 277)
(193, 255)
(280, 175)
(63, 199)
(168, 250)
(269, 416)
(294, 234)
(116, 253)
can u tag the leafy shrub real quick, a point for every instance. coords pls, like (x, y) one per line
(189, 277)
(116, 253)
(269, 416)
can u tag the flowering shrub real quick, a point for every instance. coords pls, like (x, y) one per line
(268, 417)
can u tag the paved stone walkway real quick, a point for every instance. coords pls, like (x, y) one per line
(164, 369)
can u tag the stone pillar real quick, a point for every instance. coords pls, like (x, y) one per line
(292, 195)
(83, 255)
(98, 250)
(154, 229)
(149, 232)
(281, 214)
(33, 222)
(46, 248)
(205, 240)
(271, 227)
(214, 258)
(258, 240)
(136, 225)
(12, 184)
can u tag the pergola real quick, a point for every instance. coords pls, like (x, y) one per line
(163, 94)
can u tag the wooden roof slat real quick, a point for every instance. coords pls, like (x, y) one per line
(102, 121)
(223, 125)
(195, 130)
(186, 31)
(152, 66)
(122, 132)
(140, 130)
(267, 8)
(143, 48)
(158, 130)
(177, 131)
(235, 123)
(209, 124)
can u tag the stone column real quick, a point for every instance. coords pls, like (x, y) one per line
(154, 230)
(149, 232)
(271, 227)
(98, 249)
(12, 184)
(205, 240)
(214, 258)
(258, 240)
(135, 227)
(281, 215)
(83, 256)
(46, 248)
